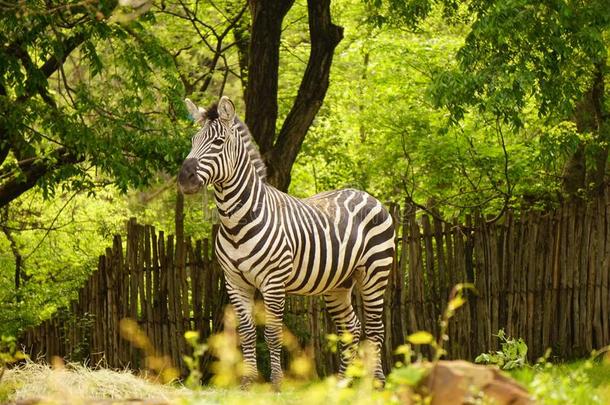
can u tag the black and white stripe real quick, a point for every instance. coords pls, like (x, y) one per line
(268, 240)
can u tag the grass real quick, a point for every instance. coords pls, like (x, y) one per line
(78, 384)
(75, 383)
(581, 382)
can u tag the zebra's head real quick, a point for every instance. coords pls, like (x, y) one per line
(208, 161)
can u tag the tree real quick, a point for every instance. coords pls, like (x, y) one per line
(280, 151)
(255, 47)
(378, 131)
(522, 54)
(87, 95)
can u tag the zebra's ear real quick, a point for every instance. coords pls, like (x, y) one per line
(197, 113)
(226, 110)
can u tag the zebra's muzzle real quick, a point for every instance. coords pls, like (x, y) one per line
(188, 179)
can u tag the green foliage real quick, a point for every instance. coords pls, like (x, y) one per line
(512, 355)
(557, 384)
(202, 46)
(61, 239)
(514, 50)
(521, 49)
(406, 376)
(457, 105)
(193, 362)
(8, 354)
(59, 244)
(112, 105)
(581, 382)
(516, 72)
(381, 129)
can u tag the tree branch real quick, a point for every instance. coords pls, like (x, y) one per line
(51, 65)
(52, 224)
(31, 171)
(241, 33)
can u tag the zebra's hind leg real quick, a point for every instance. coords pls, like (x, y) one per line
(339, 305)
(274, 298)
(372, 288)
(242, 299)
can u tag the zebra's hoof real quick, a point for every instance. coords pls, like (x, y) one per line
(276, 385)
(345, 382)
(379, 383)
(246, 383)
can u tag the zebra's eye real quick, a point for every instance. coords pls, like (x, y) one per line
(217, 142)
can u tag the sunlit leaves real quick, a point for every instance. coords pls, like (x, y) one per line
(113, 103)
(516, 50)
(513, 353)
(420, 338)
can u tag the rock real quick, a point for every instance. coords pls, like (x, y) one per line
(461, 382)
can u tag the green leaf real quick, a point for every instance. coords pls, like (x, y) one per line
(410, 375)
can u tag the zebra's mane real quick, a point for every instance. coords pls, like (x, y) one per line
(211, 114)
(255, 155)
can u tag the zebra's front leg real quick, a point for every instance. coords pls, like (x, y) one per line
(339, 305)
(242, 299)
(274, 298)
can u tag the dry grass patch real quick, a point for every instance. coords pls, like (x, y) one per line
(75, 383)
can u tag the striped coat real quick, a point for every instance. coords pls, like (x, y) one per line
(278, 244)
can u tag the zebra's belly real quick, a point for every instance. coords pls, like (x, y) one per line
(346, 283)
(323, 271)
(314, 275)
(252, 264)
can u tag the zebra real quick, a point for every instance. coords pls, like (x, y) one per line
(278, 244)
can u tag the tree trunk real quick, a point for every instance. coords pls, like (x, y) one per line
(590, 117)
(600, 163)
(263, 66)
(241, 32)
(574, 172)
(325, 36)
(261, 95)
(15, 250)
(5, 145)
(597, 173)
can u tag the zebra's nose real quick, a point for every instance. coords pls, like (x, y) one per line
(187, 179)
(189, 168)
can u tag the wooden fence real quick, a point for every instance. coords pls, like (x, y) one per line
(540, 276)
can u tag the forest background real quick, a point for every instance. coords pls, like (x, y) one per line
(456, 106)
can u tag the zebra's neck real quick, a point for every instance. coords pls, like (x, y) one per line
(242, 196)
